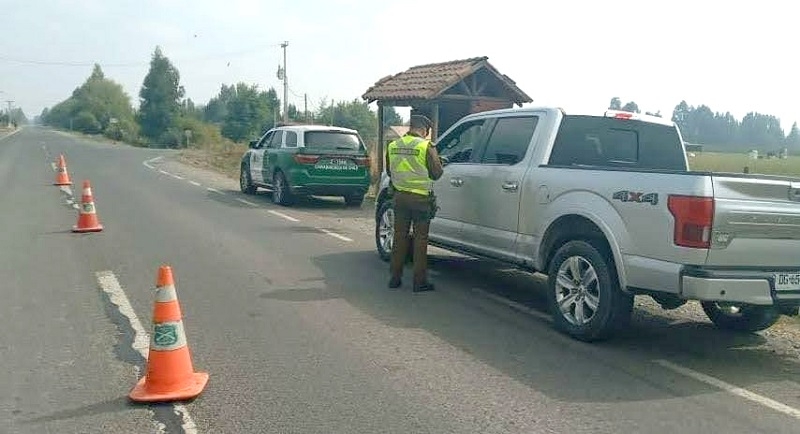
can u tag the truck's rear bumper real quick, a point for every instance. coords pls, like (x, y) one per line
(734, 286)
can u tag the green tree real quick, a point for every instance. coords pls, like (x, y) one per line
(86, 122)
(793, 138)
(615, 104)
(391, 117)
(631, 107)
(249, 113)
(160, 100)
(17, 116)
(354, 114)
(191, 110)
(217, 108)
(99, 105)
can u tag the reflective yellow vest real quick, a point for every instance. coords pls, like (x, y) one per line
(408, 163)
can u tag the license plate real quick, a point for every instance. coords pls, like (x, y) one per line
(787, 281)
(336, 164)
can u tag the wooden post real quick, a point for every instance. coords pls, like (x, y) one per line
(380, 139)
(435, 129)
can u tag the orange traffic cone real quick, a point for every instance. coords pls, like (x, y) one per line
(87, 216)
(170, 375)
(62, 177)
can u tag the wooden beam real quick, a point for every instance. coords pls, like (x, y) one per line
(435, 129)
(480, 90)
(464, 88)
(380, 139)
(401, 102)
(474, 98)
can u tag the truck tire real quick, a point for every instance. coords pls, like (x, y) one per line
(740, 318)
(384, 232)
(582, 278)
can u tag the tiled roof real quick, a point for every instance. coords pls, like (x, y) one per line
(428, 81)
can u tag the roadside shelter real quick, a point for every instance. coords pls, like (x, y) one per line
(445, 92)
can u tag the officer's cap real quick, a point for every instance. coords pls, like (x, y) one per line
(420, 121)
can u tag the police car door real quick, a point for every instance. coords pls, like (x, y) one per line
(257, 158)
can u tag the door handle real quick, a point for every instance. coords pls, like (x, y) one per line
(456, 182)
(510, 186)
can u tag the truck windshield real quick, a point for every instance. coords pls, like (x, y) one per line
(611, 142)
(339, 140)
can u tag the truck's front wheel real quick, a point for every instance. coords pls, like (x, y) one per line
(384, 232)
(740, 318)
(583, 293)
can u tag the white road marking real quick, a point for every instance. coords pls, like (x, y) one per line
(246, 202)
(213, 190)
(196, 184)
(513, 304)
(67, 190)
(53, 165)
(152, 160)
(283, 216)
(165, 172)
(141, 340)
(335, 235)
(176, 176)
(730, 388)
(11, 134)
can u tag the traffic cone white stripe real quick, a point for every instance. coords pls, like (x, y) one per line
(166, 293)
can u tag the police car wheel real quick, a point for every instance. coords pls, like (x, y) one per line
(245, 183)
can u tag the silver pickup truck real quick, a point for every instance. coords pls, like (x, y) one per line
(607, 208)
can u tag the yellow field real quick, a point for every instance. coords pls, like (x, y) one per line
(735, 163)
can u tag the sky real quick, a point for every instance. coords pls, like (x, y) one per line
(732, 56)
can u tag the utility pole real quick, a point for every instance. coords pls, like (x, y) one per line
(285, 85)
(305, 105)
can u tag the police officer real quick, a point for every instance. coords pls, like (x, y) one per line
(412, 164)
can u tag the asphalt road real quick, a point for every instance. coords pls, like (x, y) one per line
(288, 311)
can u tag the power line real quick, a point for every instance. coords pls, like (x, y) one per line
(130, 64)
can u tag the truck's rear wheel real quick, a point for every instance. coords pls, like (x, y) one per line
(584, 294)
(740, 318)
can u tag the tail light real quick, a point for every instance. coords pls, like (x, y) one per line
(362, 161)
(694, 218)
(306, 159)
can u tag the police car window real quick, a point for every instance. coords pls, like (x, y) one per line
(457, 146)
(509, 140)
(291, 139)
(265, 140)
(275, 141)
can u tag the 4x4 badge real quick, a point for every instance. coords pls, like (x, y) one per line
(636, 196)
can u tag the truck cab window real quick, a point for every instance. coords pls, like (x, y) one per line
(458, 146)
(509, 140)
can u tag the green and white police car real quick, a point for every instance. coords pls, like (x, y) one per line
(305, 160)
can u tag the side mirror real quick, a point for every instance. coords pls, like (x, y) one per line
(253, 144)
(445, 161)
